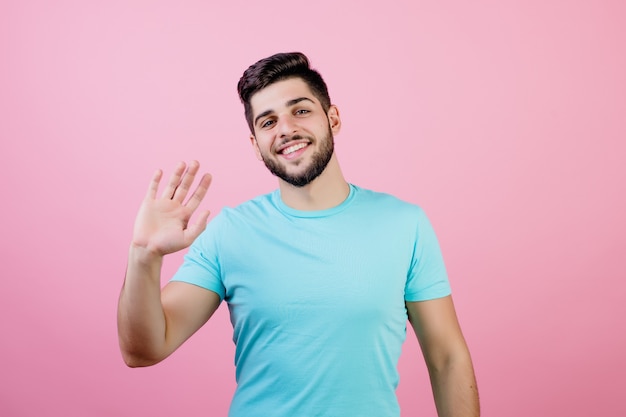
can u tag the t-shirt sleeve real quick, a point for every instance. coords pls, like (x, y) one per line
(201, 264)
(427, 278)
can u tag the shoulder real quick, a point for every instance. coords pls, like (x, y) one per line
(395, 213)
(260, 204)
(377, 200)
(231, 222)
(252, 210)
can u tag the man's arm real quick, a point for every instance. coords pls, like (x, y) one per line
(447, 357)
(153, 323)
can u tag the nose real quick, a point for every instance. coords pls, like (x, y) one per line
(287, 126)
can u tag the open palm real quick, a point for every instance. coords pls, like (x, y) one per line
(162, 224)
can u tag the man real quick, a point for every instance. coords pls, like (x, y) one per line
(319, 276)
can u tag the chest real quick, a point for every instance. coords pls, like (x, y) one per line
(343, 270)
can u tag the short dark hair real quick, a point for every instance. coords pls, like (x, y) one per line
(276, 68)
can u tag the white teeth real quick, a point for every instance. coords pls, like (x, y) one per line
(293, 148)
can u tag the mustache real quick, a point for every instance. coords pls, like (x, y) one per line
(294, 138)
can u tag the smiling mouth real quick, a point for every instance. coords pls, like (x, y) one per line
(293, 148)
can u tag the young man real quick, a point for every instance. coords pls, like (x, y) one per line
(319, 276)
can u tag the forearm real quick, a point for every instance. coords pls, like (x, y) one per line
(140, 317)
(454, 388)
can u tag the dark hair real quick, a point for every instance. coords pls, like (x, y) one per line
(276, 68)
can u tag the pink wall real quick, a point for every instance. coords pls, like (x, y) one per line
(505, 120)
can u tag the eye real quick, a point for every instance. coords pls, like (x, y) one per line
(302, 111)
(267, 123)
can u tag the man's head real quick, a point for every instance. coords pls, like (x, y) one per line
(276, 68)
(291, 120)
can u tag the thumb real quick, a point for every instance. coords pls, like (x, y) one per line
(194, 230)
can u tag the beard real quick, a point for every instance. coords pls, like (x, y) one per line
(319, 161)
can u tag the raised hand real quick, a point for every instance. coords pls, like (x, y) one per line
(162, 224)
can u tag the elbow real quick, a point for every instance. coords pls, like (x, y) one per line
(447, 360)
(458, 366)
(135, 360)
(139, 354)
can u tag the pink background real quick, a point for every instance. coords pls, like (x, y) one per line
(505, 120)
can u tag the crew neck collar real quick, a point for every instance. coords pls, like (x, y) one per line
(280, 204)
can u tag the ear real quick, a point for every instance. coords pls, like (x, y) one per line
(334, 120)
(255, 145)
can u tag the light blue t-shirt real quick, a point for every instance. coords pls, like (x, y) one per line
(317, 300)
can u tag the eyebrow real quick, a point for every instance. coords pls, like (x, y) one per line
(288, 104)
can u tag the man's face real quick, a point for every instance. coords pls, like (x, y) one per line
(293, 135)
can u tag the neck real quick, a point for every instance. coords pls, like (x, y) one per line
(326, 191)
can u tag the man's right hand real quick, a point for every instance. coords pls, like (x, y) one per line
(162, 224)
(153, 323)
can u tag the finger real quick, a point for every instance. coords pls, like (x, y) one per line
(174, 180)
(194, 230)
(154, 184)
(187, 181)
(199, 192)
